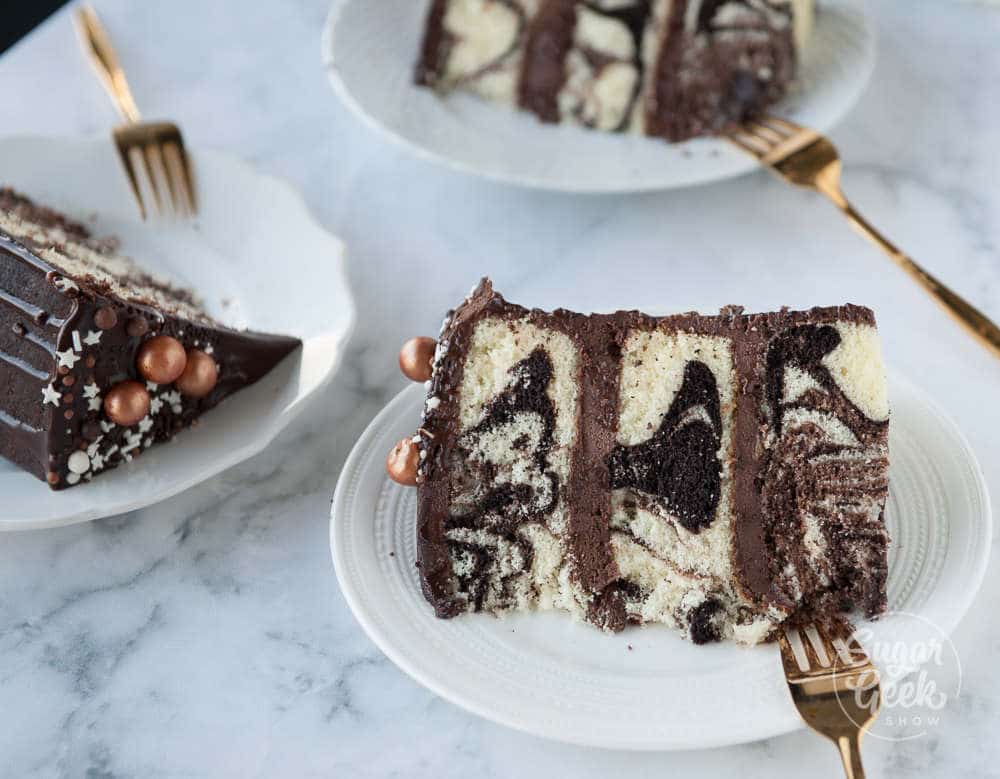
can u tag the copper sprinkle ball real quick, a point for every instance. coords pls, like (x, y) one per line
(137, 327)
(127, 403)
(416, 356)
(200, 374)
(402, 462)
(161, 359)
(105, 318)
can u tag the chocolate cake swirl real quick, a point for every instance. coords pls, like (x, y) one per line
(716, 474)
(679, 464)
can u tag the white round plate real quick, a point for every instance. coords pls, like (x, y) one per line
(644, 688)
(258, 260)
(369, 48)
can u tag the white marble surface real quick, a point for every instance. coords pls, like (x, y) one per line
(206, 636)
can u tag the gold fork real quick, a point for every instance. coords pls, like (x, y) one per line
(834, 686)
(155, 146)
(804, 157)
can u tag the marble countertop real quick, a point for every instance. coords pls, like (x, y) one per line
(206, 636)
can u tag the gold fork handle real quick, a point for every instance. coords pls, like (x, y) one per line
(967, 315)
(97, 46)
(850, 753)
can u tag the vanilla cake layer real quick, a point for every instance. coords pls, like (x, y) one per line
(669, 68)
(715, 474)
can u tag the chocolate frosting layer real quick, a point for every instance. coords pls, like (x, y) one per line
(548, 39)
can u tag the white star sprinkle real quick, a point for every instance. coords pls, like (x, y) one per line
(107, 427)
(152, 386)
(67, 359)
(49, 395)
(92, 449)
(145, 424)
(94, 404)
(155, 405)
(91, 391)
(93, 337)
(173, 398)
(96, 462)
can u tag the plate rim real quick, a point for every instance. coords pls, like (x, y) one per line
(278, 423)
(984, 524)
(420, 152)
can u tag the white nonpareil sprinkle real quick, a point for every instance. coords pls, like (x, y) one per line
(78, 462)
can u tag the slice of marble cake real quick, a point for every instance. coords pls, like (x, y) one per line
(99, 360)
(718, 474)
(674, 69)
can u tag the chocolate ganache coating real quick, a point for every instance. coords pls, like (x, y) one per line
(68, 340)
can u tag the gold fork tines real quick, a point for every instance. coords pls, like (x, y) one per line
(834, 686)
(807, 159)
(154, 148)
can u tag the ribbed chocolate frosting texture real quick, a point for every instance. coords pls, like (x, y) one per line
(32, 314)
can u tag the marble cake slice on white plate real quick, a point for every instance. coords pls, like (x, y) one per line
(99, 360)
(674, 69)
(718, 474)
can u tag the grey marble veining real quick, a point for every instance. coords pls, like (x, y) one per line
(206, 636)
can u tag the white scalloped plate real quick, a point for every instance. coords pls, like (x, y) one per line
(645, 688)
(369, 48)
(257, 258)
